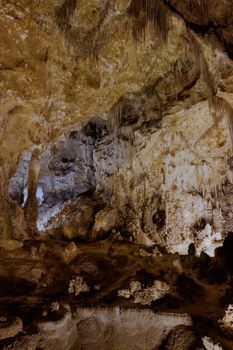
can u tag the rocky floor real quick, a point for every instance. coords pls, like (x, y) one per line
(52, 284)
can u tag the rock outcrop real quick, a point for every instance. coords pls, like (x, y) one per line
(148, 141)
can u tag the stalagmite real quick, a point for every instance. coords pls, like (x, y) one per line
(31, 206)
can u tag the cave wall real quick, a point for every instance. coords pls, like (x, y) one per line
(126, 125)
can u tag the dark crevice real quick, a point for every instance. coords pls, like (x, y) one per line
(198, 28)
(201, 29)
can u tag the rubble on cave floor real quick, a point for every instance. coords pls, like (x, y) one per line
(39, 279)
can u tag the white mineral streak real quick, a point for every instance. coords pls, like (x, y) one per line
(227, 320)
(126, 329)
(210, 345)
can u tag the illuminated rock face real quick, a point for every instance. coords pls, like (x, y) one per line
(128, 124)
(156, 183)
(100, 328)
(116, 130)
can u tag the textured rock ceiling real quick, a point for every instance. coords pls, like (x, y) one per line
(145, 71)
(115, 157)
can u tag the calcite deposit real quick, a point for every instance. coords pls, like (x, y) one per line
(116, 160)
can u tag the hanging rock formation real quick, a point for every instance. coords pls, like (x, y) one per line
(116, 174)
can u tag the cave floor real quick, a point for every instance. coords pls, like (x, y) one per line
(38, 273)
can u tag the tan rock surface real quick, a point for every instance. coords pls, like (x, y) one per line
(116, 129)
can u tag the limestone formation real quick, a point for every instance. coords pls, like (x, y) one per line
(116, 184)
(209, 345)
(227, 320)
(10, 327)
(77, 285)
(31, 205)
(180, 338)
(144, 296)
(125, 329)
(105, 221)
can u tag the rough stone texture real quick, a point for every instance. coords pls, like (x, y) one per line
(227, 320)
(180, 338)
(161, 159)
(116, 129)
(144, 296)
(10, 328)
(209, 344)
(36, 279)
(98, 328)
(119, 328)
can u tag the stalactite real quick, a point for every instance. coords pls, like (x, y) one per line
(201, 8)
(122, 152)
(65, 14)
(88, 43)
(218, 106)
(222, 108)
(151, 16)
(203, 66)
(114, 122)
